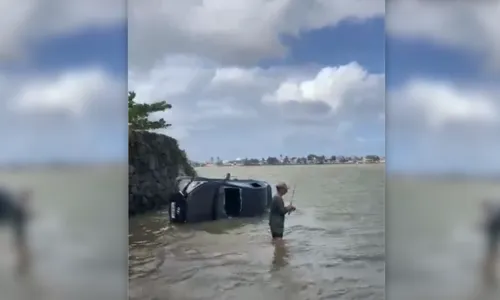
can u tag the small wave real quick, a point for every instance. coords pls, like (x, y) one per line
(302, 228)
(378, 257)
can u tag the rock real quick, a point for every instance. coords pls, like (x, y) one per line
(155, 160)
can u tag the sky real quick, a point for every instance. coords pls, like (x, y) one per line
(252, 79)
(63, 80)
(442, 104)
(255, 79)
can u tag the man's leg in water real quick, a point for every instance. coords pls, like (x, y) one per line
(21, 246)
(490, 262)
(277, 237)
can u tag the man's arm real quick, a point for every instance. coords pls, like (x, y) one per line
(283, 210)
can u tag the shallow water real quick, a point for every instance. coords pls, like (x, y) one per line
(434, 242)
(77, 237)
(334, 243)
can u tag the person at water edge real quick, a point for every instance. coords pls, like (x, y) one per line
(492, 235)
(278, 212)
(14, 213)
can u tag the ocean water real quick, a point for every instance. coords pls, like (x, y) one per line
(334, 243)
(78, 234)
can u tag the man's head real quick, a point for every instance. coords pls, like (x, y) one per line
(282, 188)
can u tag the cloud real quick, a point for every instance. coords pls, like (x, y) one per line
(67, 115)
(257, 110)
(342, 89)
(470, 25)
(203, 57)
(440, 124)
(75, 114)
(77, 93)
(440, 104)
(231, 32)
(443, 123)
(29, 21)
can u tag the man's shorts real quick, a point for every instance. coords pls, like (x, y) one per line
(493, 234)
(14, 216)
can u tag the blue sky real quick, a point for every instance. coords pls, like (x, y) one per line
(266, 80)
(65, 92)
(417, 57)
(272, 78)
(410, 59)
(264, 89)
(106, 47)
(333, 46)
(348, 41)
(442, 106)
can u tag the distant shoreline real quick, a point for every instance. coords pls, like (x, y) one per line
(62, 166)
(291, 165)
(441, 177)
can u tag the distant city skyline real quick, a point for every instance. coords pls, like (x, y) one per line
(281, 156)
(285, 160)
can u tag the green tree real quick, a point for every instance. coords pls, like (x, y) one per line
(139, 113)
(272, 161)
(251, 162)
(374, 158)
(312, 157)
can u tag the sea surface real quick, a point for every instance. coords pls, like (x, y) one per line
(78, 234)
(434, 242)
(334, 243)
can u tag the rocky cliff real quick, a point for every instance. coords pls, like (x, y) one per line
(155, 160)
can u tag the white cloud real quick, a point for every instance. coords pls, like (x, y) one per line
(233, 32)
(72, 93)
(444, 125)
(74, 114)
(217, 103)
(442, 103)
(202, 57)
(27, 21)
(471, 25)
(71, 114)
(331, 85)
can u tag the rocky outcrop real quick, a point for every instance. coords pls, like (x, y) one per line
(155, 160)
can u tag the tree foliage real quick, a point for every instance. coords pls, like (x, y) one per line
(139, 113)
(374, 158)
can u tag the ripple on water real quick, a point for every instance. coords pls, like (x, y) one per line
(333, 251)
(198, 258)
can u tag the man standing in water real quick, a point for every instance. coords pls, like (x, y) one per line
(278, 212)
(492, 232)
(14, 212)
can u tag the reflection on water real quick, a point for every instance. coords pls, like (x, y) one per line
(435, 242)
(280, 257)
(334, 244)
